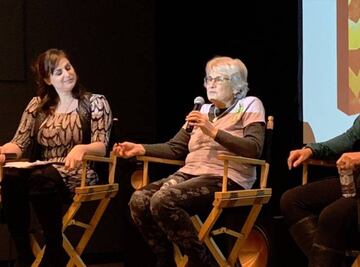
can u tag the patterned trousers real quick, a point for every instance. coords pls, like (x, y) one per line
(162, 210)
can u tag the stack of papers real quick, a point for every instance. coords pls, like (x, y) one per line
(27, 164)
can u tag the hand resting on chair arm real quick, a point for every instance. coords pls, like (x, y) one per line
(76, 154)
(9, 151)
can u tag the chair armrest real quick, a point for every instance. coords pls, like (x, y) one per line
(321, 162)
(240, 159)
(315, 162)
(244, 160)
(147, 159)
(91, 158)
(96, 158)
(161, 160)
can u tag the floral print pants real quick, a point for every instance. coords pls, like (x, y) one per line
(162, 210)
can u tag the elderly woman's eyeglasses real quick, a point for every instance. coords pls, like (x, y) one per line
(218, 79)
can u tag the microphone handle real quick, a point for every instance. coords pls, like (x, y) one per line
(197, 106)
(189, 128)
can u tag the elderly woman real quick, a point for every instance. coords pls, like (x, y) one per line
(63, 123)
(232, 124)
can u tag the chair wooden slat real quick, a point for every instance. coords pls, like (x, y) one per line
(243, 160)
(160, 160)
(96, 188)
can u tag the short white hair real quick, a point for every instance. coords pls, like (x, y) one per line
(235, 69)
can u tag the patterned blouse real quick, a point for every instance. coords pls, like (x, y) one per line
(60, 132)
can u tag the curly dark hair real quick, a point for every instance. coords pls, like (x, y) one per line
(42, 68)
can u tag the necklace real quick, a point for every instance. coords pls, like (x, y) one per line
(219, 113)
(216, 111)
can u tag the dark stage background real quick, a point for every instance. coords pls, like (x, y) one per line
(148, 57)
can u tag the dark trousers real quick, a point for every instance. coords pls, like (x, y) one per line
(162, 210)
(44, 188)
(337, 216)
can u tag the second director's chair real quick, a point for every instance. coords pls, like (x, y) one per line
(102, 193)
(351, 252)
(251, 246)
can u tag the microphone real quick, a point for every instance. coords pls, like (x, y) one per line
(198, 102)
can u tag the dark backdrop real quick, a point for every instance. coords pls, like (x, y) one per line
(148, 58)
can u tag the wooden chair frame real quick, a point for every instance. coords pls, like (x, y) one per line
(84, 193)
(255, 198)
(305, 174)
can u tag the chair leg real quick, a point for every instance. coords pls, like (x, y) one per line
(356, 263)
(75, 259)
(209, 223)
(248, 225)
(210, 243)
(90, 228)
(180, 259)
(37, 251)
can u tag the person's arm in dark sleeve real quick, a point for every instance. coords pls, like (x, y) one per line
(335, 147)
(175, 148)
(250, 145)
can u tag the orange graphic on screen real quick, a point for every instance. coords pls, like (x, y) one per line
(348, 56)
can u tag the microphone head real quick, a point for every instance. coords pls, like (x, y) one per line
(199, 100)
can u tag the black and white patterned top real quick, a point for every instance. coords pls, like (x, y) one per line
(60, 132)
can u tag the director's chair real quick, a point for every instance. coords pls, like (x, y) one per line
(351, 252)
(102, 193)
(251, 247)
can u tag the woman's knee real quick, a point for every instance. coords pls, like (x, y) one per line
(291, 205)
(139, 202)
(288, 199)
(45, 181)
(161, 203)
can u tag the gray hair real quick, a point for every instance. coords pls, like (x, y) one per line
(235, 69)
